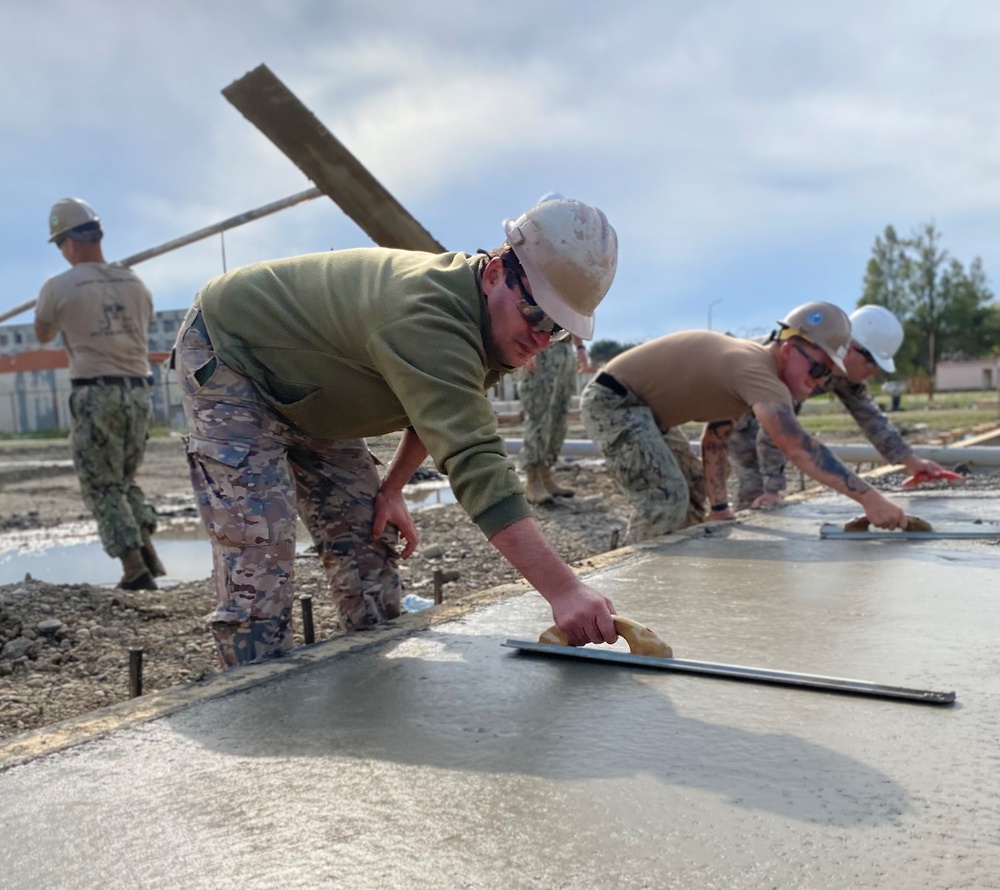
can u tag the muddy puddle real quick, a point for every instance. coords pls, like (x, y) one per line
(72, 553)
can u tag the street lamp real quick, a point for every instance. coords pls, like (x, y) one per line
(710, 305)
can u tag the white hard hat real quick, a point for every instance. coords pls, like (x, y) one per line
(876, 330)
(569, 252)
(68, 214)
(824, 324)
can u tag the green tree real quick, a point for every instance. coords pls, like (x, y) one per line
(946, 311)
(887, 275)
(602, 351)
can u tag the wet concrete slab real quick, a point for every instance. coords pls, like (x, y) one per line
(441, 759)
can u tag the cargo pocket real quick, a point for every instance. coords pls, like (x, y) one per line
(226, 488)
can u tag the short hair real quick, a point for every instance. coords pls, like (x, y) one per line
(512, 268)
(89, 232)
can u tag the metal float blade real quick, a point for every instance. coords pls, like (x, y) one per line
(836, 532)
(737, 672)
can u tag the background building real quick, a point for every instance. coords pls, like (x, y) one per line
(35, 384)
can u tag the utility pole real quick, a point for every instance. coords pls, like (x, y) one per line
(710, 305)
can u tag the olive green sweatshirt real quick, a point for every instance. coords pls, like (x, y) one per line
(356, 343)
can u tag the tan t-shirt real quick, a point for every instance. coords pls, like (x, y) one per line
(103, 313)
(699, 376)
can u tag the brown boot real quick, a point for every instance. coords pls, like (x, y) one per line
(137, 576)
(551, 484)
(535, 490)
(150, 557)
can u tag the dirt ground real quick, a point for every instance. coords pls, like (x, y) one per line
(64, 648)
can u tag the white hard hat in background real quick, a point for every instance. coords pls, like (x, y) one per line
(877, 330)
(68, 214)
(569, 252)
(824, 324)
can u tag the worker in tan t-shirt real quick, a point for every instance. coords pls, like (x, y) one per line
(103, 311)
(633, 408)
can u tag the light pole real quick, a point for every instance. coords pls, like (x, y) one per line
(710, 305)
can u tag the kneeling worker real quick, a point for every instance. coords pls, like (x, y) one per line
(648, 391)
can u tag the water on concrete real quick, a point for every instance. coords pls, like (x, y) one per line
(442, 760)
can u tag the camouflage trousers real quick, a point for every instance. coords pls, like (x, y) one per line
(545, 393)
(108, 433)
(759, 466)
(252, 472)
(657, 471)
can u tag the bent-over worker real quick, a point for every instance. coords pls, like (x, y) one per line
(876, 336)
(645, 393)
(286, 365)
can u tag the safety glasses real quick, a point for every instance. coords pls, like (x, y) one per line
(866, 355)
(60, 240)
(817, 370)
(534, 315)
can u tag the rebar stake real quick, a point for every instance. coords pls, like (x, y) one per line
(614, 539)
(134, 673)
(441, 577)
(308, 630)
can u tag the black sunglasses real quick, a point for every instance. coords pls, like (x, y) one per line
(534, 315)
(817, 370)
(866, 355)
(60, 240)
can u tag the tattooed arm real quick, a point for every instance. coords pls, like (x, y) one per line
(715, 460)
(819, 462)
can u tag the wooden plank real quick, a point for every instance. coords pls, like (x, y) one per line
(270, 106)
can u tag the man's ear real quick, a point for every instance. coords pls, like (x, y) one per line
(493, 272)
(784, 347)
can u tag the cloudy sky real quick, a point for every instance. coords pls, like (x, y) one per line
(748, 153)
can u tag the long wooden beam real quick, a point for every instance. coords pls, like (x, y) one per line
(270, 106)
(224, 226)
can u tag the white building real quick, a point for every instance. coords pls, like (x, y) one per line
(967, 374)
(35, 384)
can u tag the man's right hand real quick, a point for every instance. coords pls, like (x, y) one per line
(584, 615)
(883, 513)
(766, 500)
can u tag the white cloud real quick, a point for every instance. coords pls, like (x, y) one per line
(747, 149)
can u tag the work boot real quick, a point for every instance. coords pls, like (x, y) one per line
(137, 575)
(535, 490)
(551, 484)
(150, 557)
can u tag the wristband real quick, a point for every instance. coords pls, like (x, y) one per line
(581, 346)
(718, 508)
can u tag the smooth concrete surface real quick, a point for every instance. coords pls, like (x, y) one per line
(443, 760)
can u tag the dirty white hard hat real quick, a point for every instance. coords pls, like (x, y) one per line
(569, 252)
(876, 330)
(824, 324)
(68, 214)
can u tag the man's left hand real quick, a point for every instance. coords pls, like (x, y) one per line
(390, 508)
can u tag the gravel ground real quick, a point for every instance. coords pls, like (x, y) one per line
(64, 648)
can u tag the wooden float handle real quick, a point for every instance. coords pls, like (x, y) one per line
(641, 640)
